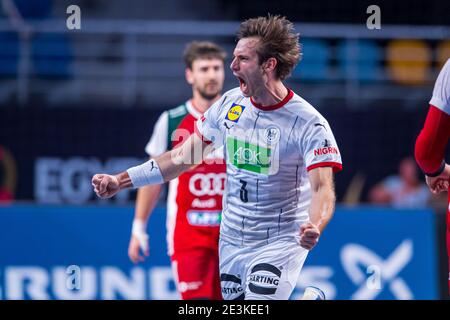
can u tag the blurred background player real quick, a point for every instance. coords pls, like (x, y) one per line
(194, 201)
(432, 141)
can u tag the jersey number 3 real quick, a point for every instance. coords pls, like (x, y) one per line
(243, 192)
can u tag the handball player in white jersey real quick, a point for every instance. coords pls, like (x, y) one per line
(280, 155)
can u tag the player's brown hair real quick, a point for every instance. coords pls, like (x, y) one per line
(277, 40)
(202, 50)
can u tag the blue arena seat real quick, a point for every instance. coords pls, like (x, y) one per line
(52, 55)
(314, 63)
(360, 60)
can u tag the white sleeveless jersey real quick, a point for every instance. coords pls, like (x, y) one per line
(268, 152)
(441, 91)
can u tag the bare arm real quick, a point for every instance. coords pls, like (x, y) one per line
(171, 164)
(147, 198)
(178, 160)
(323, 196)
(322, 205)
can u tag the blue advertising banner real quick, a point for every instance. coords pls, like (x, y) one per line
(51, 252)
(375, 253)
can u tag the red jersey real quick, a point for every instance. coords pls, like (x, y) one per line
(194, 201)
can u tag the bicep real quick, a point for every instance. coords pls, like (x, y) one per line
(187, 155)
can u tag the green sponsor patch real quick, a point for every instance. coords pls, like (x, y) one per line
(247, 156)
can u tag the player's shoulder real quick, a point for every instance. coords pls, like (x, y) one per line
(178, 111)
(228, 98)
(234, 93)
(303, 109)
(441, 91)
(446, 67)
(444, 75)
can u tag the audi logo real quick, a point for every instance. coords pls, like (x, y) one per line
(209, 184)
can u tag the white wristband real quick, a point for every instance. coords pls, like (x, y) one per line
(146, 173)
(139, 231)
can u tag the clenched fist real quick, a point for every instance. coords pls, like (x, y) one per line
(105, 185)
(309, 235)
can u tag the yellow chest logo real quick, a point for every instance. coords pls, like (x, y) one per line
(235, 112)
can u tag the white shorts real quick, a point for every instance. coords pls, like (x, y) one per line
(268, 272)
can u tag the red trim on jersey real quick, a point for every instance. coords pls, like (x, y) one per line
(335, 165)
(432, 140)
(205, 140)
(275, 106)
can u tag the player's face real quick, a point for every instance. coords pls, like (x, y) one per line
(246, 67)
(206, 77)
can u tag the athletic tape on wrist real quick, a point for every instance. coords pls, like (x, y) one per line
(139, 227)
(145, 174)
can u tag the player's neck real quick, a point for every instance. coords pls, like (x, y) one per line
(271, 94)
(201, 104)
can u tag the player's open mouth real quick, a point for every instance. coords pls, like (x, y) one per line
(242, 84)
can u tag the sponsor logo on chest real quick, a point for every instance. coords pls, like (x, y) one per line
(235, 112)
(249, 156)
(204, 218)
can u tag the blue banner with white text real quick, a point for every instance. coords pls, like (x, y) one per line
(80, 252)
